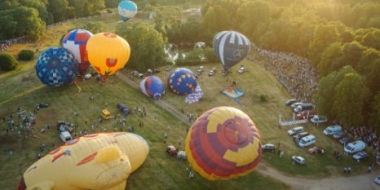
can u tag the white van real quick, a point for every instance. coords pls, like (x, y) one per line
(355, 146)
(306, 141)
(330, 130)
(295, 130)
(65, 136)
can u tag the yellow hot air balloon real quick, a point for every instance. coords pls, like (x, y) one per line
(107, 53)
(94, 161)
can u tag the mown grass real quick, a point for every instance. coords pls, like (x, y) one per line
(22, 88)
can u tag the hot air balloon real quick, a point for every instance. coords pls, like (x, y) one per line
(107, 53)
(56, 67)
(152, 86)
(94, 161)
(75, 41)
(230, 47)
(182, 81)
(223, 143)
(127, 10)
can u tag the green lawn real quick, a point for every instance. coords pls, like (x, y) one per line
(22, 88)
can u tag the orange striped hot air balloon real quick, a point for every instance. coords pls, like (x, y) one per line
(223, 143)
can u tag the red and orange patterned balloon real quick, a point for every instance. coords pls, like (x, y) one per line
(223, 143)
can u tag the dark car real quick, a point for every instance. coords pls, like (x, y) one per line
(298, 136)
(123, 108)
(290, 102)
(268, 147)
(345, 140)
(339, 135)
(42, 105)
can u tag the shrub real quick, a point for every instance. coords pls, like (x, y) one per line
(263, 98)
(7, 62)
(25, 55)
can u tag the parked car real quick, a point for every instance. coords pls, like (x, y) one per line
(331, 130)
(211, 73)
(345, 140)
(361, 155)
(316, 150)
(377, 180)
(295, 130)
(306, 141)
(303, 107)
(42, 105)
(65, 136)
(268, 147)
(339, 135)
(290, 102)
(123, 108)
(355, 146)
(298, 136)
(317, 119)
(299, 160)
(295, 104)
(306, 114)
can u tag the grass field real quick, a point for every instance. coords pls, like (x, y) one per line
(22, 88)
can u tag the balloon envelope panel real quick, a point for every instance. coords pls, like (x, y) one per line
(223, 143)
(230, 47)
(127, 10)
(182, 81)
(107, 53)
(56, 67)
(75, 41)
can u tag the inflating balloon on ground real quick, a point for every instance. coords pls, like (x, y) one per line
(95, 161)
(107, 53)
(223, 143)
(182, 81)
(75, 41)
(152, 86)
(56, 67)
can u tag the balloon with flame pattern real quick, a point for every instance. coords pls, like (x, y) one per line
(107, 53)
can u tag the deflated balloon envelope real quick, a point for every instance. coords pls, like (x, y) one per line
(56, 67)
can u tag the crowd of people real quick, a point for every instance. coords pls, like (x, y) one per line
(296, 74)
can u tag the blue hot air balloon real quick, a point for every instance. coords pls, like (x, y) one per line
(230, 47)
(127, 10)
(182, 81)
(152, 86)
(56, 67)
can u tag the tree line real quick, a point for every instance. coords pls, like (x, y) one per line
(341, 39)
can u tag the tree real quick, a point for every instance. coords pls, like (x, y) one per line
(7, 62)
(59, 9)
(147, 45)
(330, 59)
(369, 66)
(326, 90)
(375, 115)
(324, 35)
(95, 27)
(351, 95)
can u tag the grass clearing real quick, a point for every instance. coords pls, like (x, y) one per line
(22, 88)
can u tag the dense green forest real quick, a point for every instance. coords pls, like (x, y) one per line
(340, 38)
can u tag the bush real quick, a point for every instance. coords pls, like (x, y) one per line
(25, 55)
(263, 98)
(7, 62)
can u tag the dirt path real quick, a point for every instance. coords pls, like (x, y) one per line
(364, 182)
